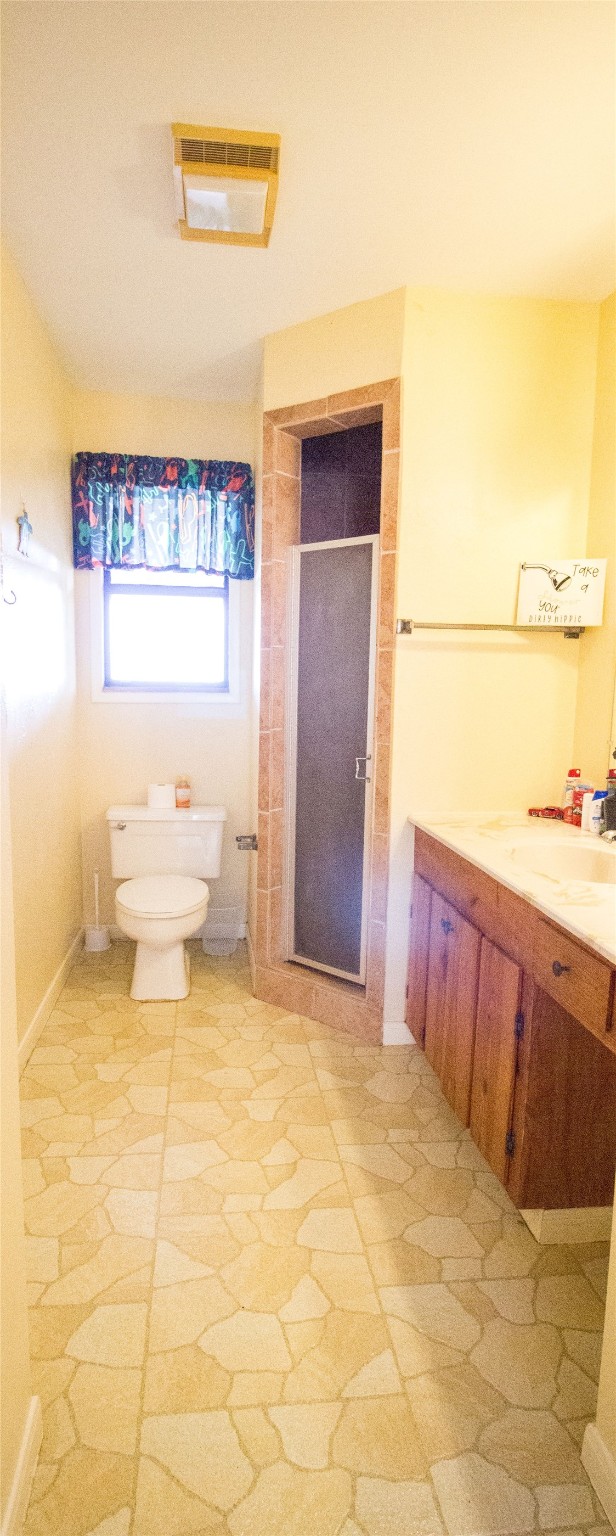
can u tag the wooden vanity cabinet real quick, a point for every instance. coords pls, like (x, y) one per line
(451, 996)
(498, 1028)
(563, 1125)
(518, 1021)
(417, 979)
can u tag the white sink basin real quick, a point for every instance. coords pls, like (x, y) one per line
(559, 860)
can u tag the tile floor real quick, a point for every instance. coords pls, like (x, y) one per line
(277, 1292)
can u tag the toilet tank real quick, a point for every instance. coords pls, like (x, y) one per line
(166, 842)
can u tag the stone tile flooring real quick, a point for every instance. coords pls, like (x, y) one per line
(277, 1292)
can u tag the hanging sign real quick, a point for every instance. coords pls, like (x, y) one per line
(562, 592)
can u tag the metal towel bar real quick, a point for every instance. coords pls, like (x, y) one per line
(570, 631)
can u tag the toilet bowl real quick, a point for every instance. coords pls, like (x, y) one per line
(162, 855)
(160, 912)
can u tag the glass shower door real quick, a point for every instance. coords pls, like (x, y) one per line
(329, 789)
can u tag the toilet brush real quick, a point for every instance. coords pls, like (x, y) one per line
(97, 938)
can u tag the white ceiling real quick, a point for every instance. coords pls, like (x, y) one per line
(458, 144)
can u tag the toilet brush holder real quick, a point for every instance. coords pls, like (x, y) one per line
(97, 939)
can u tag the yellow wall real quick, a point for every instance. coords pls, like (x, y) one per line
(213, 429)
(125, 746)
(496, 453)
(40, 665)
(361, 344)
(15, 1386)
(594, 724)
(497, 437)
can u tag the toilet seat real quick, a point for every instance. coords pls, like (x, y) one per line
(162, 895)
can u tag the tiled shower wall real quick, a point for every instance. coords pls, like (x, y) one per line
(341, 484)
(296, 987)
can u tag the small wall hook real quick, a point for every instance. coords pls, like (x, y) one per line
(10, 601)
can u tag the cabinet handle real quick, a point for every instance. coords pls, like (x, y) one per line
(446, 926)
(559, 969)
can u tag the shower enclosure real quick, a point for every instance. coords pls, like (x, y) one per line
(330, 714)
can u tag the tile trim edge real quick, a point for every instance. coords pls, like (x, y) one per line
(28, 1041)
(25, 1469)
(252, 959)
(600, 1465)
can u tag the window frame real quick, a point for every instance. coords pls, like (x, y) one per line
(136, 589)
(216, 697)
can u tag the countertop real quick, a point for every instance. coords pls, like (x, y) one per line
(487, 839)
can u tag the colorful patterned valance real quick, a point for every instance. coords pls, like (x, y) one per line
(165, 514)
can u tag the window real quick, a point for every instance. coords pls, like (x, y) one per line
(166, 631)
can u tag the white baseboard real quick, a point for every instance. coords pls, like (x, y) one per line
(252, 960)
(583, 1224)
(47, 1003)
(17, 1504)
(396, 1032)
(600, 1465)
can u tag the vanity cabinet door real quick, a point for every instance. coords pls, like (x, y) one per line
(453, 969)
(498, 1026)
(419, 945)
(564, 1117)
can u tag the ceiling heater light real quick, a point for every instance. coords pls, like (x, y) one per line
(225, 183)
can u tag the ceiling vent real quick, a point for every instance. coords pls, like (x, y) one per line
(226, 182)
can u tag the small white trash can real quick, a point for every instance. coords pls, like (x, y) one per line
(221, 931)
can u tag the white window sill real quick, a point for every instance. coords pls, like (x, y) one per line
(153, 696)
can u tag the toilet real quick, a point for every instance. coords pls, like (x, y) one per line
(165, 854)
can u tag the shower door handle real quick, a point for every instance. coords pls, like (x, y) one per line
(364, 778)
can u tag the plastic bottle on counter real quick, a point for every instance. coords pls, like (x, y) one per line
(571, 783)
(182, 795)
(610, 783)
(587, 800)
(596, 811)
(572, 813)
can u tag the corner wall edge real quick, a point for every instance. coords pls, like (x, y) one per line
(600, 1464)
(17, 1504)
(28, 1041)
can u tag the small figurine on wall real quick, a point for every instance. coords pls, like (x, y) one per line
(25, 529)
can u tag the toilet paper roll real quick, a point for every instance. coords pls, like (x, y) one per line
(161, 797)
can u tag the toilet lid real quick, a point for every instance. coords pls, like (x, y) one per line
(162, 895)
